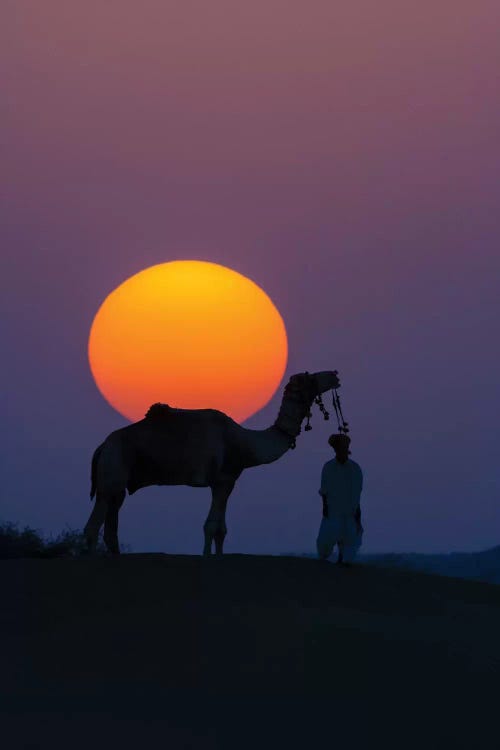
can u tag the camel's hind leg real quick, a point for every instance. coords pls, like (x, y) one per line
(93, 525)
(111, 523)
(215, 526)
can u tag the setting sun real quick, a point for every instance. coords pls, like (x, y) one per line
(191, 334)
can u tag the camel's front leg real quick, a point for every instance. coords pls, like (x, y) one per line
(215, 526)
(111, 523)
(215, 531)
(93, 525)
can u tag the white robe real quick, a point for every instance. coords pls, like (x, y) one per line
(342, 485)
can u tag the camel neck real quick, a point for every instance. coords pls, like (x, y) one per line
(264, 446)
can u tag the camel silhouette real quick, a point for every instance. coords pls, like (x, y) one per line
(195, 447)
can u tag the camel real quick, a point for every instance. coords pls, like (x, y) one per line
(194, 447)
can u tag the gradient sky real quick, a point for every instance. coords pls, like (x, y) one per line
(344, 156)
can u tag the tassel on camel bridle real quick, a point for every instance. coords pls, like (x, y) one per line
(318, 400)
(310, 380)
(343, 426)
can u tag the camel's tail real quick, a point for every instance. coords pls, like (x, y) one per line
(93, 471)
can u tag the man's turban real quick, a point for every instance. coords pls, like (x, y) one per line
(339, 441)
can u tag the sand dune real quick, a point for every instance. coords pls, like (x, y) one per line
(247, 651)
(476, 566)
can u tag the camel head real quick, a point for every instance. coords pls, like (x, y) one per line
(301, 391)
(325, 381)
(306, 387)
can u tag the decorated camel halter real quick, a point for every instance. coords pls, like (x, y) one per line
(343, 426)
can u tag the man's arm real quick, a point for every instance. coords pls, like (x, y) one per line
(323, 493)
(358, 490)
(325, 506)
(357, 516)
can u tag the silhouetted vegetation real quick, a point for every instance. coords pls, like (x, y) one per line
(28, 542)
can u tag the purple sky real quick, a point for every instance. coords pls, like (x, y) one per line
(343, 156)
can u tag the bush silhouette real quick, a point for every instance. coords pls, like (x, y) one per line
(28, 542)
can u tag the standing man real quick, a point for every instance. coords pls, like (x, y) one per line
(341, 485)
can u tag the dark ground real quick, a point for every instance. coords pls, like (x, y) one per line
(174, 651)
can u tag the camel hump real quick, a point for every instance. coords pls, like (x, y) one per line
(158, 411)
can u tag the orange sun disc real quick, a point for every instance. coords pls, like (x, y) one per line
(191, 334)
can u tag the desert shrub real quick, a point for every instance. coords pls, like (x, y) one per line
(19, 543)
(69, 543)
(28, 542)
